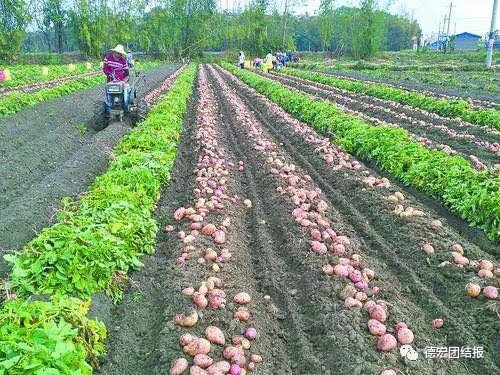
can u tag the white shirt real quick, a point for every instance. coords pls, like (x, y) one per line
(241, 59)
(269, 57)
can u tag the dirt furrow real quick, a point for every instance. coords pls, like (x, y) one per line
(423, 290)
(142, 337)
(32, 179)
(236, 272)
(475, 140)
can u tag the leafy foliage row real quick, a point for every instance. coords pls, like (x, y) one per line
(451, 108)
(17, 101)
(473, 195)
(24, 73)
(363, 65)
(91, 247)
(109, 228)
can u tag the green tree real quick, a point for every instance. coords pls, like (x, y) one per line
(13, 20)
(326, 22)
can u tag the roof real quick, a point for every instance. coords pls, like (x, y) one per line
(468, 36)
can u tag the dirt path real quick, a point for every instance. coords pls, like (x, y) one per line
(304, 328)
(428, 128)
(48, 152)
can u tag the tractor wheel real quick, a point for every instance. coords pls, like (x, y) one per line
(101, 117)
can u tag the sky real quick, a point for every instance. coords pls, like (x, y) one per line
(472, 16)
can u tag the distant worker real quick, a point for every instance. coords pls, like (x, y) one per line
(241, 60)
(257, 63)
(269, 58)
(275, 61)
(115, 64)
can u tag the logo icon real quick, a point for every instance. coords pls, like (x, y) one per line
(407, 351)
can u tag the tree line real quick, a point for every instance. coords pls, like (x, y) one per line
(182, 28)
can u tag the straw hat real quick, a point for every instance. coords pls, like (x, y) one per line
(119, 49)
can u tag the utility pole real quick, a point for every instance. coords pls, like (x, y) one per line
(448, 30)
(491, 40)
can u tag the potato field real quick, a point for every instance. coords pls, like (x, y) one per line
(303, 220)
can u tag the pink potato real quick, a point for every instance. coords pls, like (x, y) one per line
(200, 300)
(339, 249)
(242, 298)
(377, 312)
(239, 359)
(328, 269)
(353, 303)
(485, 274)
(405, 336)
(437, 323)
(400, 325)
(179, 213)
(251, 333)
(341, 270)
(386, 343)
(376, 328)
(197, 346)
(255, 358)
(231, 351)
(202, 360)
(179, 366)
(486, 265)
(235, 370)
(219, 368)
(428, 249)
(319, 247)
(215, 335)
(197, 370)
(490, 292)
(219, 237)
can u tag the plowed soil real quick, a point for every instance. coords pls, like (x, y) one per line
(51, 151)
(304, 327)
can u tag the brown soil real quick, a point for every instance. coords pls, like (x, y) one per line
(50, 151)
(304, 328)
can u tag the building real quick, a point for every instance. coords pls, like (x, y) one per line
(465, 42)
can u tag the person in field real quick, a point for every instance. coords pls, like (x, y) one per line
(115, 63)
(116, 67)
(241, 60)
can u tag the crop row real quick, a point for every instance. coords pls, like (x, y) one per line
(360, 65)
(465, 80)
(444, 107)
(210, 226)
(474, 195)
(23, 74)
(17, 101)
(91, 247)
(375, 110)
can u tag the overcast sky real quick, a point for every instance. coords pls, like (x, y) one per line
(473, 16)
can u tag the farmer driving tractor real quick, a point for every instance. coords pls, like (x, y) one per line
(116, 68)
